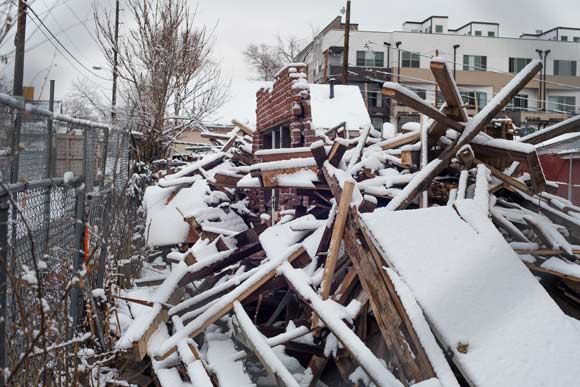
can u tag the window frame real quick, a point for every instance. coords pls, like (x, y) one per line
(514, 65)
(468, 66)
(558, 67)
(413, 58)
(370, 59)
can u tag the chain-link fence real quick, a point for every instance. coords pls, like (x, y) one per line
(62, 187)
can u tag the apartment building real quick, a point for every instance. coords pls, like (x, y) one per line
(482, 59)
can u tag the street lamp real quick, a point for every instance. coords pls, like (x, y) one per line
(397, 44)
(545, 76)
(540, 97)
(388, 54)
(455, 47)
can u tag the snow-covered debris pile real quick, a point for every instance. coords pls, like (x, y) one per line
(431, 258)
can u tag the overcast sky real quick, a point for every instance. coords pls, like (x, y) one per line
(241, 22)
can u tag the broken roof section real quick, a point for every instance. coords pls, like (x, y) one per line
(346, 106)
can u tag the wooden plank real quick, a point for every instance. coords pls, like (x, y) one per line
(336, 152)
(538, 269)
(287, 154)
(420, 106)
(449, 90)
(336, 238)
(387, 308)
(547, 252)
(422, 181)
(319, 154)
(262, 350)
(243, 127)
(244, 292)
(398, 141)
(140, 346)
(567, 126)
(270, 177)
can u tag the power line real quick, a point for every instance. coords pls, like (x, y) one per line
(63, 47)
(511, 75)
(463, 88)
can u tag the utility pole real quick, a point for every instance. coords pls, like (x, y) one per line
(346, 44)
(115, 66)
(19, 42)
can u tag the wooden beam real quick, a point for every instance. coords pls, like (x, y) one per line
(400, 140)
(241, 292)
(449, 90)
(259, 346)
(421, 182)
(243, 127)
(567, 126)
(407, 98)
(408, 358)
(336, 152)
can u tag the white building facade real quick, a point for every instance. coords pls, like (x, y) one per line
(482, 59)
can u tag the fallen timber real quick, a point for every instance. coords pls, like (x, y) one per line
(341, 289)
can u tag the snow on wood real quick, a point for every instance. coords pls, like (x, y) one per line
(465, 313)
(262, 350)
(346, 106)
(367, 360)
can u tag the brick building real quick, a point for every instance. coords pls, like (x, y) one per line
(292, 113)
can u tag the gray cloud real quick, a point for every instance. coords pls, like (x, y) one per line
(238, 23)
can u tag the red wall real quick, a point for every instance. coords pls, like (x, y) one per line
(556, 169)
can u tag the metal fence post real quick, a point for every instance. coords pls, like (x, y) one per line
(15, 170)
(50, 135)
(76, 307)
(104, 158)
(4, 210)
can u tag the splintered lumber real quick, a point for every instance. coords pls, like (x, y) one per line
(400, 140)
(423, 179)
(268, 155)
(215, 136)
(412, 100)
(377, 372)
(223, 305)
(219, 261)
(358, 150)
(538, 269)
(460, 243)
(262, 350)
(336, 238)
(570, 125)
(196, 368)
(243, 127)
(548, 234)
(140, 346)
(408, 358)
(336, 152)
(319, 153)
(449, 90)
(231, 141)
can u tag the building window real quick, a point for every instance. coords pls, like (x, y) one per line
(370, 59)
(377, 122)
(564, 38)
(474, 99)
(518, 103)
(410, 59)
(375, 99)
(438, 28)
(577, 39)
(565, 67)
(474, 63)
(422, 93)
(477, 33)
(491, 34)
(517, 64)
(562, 104)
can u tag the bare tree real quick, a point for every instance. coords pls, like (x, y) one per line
(84, 101)
(266, 60)
(165, 69)
(7, 10)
